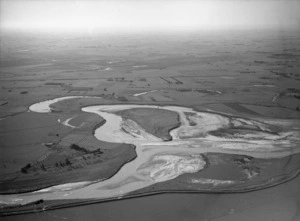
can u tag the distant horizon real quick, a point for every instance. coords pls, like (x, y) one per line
(147, 16)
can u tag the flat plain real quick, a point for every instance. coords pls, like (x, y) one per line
(247, 74)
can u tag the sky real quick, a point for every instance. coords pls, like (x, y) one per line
(147, 15)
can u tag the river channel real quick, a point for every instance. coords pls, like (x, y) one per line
(159, 160)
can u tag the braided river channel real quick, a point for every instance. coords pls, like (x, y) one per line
(158, 160)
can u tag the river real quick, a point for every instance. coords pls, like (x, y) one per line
(159, 160)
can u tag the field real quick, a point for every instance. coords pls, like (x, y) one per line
(243, 74)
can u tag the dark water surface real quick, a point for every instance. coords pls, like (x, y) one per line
(279, 203)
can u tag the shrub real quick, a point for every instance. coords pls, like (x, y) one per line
(78, 148)
(68, 162)
(25, 169)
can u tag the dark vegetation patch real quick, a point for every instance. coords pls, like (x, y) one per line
(81, 89)
(54, 84)
(72, 157)
(201, 91)
(4, 103)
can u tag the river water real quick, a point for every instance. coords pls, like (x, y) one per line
(159, 160)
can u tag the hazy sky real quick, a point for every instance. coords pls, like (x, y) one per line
(116, 15)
